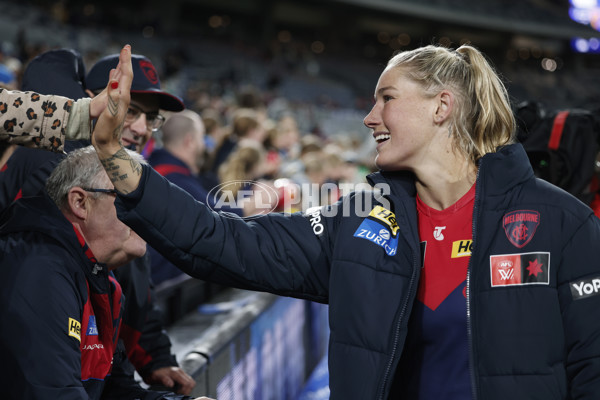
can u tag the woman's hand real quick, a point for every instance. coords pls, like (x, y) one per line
(123, 170)
(112, 105)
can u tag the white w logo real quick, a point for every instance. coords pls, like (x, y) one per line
(506, 274)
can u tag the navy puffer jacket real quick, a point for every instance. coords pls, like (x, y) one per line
(532, 286)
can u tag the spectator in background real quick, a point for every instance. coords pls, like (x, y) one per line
(286, 137)
(7, 78)
(215, 134)
(246, 124)
(179, 161)
(463, 277)
(243, 178)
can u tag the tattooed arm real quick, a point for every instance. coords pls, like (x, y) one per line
(122, 169)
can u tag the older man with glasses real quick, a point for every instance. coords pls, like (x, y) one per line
(61, 308)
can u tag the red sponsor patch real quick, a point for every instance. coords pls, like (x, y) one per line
(520, 226)
(520, 269)
(149, 71)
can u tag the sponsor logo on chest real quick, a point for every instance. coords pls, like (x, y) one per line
(92, 328)
(461, 248)
(380, 228)
(74, 329)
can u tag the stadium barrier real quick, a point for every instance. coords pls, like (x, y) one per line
(250, 345)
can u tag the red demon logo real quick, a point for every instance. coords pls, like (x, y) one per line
(149, 71)
(520, 226)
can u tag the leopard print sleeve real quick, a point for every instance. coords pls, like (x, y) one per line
(34, 120)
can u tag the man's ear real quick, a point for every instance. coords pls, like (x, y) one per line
(77, 202)
(445, 103)
(188, 139)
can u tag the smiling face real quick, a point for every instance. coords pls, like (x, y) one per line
(137, 133)
(401, 121)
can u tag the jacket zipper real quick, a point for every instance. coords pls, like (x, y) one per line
(397, 333)
(469, 268)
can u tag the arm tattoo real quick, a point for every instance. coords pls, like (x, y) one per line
(117, 132)
(113, 108)
(115, 170)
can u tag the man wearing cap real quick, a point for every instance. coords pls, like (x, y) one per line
(147, 98)
(147, 346)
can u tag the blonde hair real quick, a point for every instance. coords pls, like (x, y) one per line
(483, 119)
(240, 165)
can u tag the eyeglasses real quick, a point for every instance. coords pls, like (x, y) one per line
(107, 191)
(154, 120)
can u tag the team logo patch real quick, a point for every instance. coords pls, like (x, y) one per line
(378, 234)
(92, 329)
(461, 248)
(520, 269)
(386, 216)
(585, 288)
(149, 71)
(74, 329)
(520, 226)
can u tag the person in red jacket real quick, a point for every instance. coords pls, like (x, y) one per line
(61, 306)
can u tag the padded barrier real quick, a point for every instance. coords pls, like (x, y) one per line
(250, 345)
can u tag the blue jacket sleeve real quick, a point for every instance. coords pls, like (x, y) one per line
(276, 253)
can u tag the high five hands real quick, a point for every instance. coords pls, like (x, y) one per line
(122, 169)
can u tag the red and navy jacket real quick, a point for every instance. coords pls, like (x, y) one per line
(147, 344)
(533, 280)
(177, 172)
(60, 312)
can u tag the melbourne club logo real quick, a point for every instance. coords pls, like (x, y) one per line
(149, 71)
(520, 226)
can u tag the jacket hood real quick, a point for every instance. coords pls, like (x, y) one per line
(39, 214)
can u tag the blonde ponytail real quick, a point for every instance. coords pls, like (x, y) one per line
(482, 120)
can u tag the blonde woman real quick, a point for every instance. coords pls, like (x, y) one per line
(465, 278)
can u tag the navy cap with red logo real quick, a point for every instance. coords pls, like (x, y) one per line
(145, 79)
